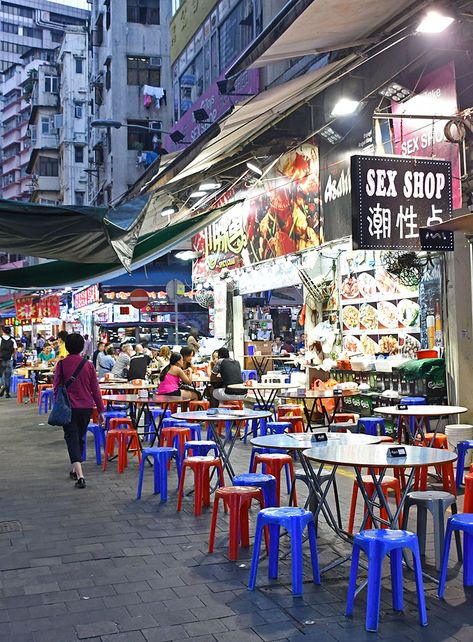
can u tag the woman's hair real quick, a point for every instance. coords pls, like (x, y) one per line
(74, 343)
(173, 359)
(223, 353)
(110, 350)
(63, 336)
(165, 352)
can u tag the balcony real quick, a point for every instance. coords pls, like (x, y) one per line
(45, 183)
(44, 98)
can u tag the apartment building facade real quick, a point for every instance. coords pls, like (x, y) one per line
(131, 85)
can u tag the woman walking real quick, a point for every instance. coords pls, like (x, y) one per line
(84, 393)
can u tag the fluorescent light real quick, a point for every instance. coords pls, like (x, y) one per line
(187, 255)
(197, 194)
(254, 168)
(345, 107)
(395, 91)
(168, 211)
(434, 22)
(209, 186)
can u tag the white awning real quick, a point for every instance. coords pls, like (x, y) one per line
(322, 26)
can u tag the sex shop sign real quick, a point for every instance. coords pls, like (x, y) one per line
(394, 198)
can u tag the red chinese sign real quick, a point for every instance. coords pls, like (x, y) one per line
(283, 218)
(25, 309)
(86, 297)
(48, 307)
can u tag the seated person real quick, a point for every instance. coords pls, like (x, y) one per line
(225, 373)
(171, 378)
(46, 355)
(138, 364)
(187, 355)
(122, 362)
(20, 358)
(105, 362)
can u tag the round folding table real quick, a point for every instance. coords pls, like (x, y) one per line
(316, 397)
(261, 389)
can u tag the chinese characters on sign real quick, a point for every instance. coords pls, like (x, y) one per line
(86, 297)
(30, 309)
(393, 197)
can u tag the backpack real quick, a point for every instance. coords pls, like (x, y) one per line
(6, 349)
(61, 414)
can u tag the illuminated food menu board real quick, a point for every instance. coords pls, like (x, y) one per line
(378, 314)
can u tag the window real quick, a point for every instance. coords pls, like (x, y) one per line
(108, 74)
(235, 33)
(78, 110)
(78, 154)
(30, 32)
(51, 84)
(48, 166)
(108, 15)
(79, 65)
(141, 72)
(79, 198)
(9, 27)
(57, 36)
(146, 12)
(99, 31)
(63, 19)
(45, 124)
(140, 139)
(191, 83)
(15, 10)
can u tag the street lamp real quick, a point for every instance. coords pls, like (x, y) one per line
(176, 136)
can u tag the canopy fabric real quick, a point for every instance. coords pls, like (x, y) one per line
(60, 273)
(308, 27)
(72, 233)
(463, 223)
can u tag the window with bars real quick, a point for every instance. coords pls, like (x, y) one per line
(140, 139)
(48, 166)
(146, 12)
(140, 71)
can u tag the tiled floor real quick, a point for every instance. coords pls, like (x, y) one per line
(96, 564)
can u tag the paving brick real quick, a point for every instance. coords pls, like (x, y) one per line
(130, 636)
(95, 629)
(213, 627)
(137, 623)
(165, 634)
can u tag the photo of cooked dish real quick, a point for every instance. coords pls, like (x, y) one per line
(388, 344)
(367, 284)
(369, 346)
(351, 317)
(368, 317)
(388, 314)
(385, 283)
(350, 289)
(408, 313)
(351, 344)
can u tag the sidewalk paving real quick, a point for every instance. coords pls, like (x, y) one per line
(97, 565)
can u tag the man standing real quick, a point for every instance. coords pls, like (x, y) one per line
(100, 348)
(87, 352)
(7, 354)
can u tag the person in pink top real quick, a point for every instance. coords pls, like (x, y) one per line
(84, 394)
(171, 377)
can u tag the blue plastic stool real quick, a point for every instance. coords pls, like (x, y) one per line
(249, 374)
(199, 448)
(266, 482)
(15, 380)
(294, 520)
(112, 414)
(99, 442)
(278, 427)
(462, 448)
(228, 430)
(461, 522)
(370, 426)
(46, 399)
(255, 423)
(377, 543)
(161, 456)
(195, 430)
(170, 422)
(413, 401)
(149, 432)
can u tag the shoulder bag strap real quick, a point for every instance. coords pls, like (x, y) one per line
(76, 373)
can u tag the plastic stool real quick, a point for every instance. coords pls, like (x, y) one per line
(238, 500)
(194, 428)
(267, 483)
(39, 388)
(254, 423)
(118, 423)
(462, 522)
(273, 464)
(297, 423)
(99, 442)
(25, 389)
(278, 427)
(161, 458)
(289, 410)
(259, 450)
(462, 448)
(388, 483)
(345, 418)
(377, 544)
(294, 520)
(15, 380)
(46, 400)
(371, 426)
(468, 497)
(121, 436)
(201, 468)
(200, 448)
(312, 500)
(249, 374)
(199, 405)
(111, 414)
(437, 502)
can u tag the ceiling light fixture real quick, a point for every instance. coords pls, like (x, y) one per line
(330, 134)
(197, 194)
(345, 107)
(209, 186)
(395, 91)
(434, 22)
(187, 255)
(253, 167)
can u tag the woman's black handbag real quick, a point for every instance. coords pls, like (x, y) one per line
(61, 414)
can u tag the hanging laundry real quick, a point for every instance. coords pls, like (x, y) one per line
(152, 96)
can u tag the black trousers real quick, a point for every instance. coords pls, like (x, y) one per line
(75, 432)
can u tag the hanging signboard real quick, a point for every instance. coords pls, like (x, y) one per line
(86, 296)
(220, 306)
(393, 197)
(25, 308)
(49, 307)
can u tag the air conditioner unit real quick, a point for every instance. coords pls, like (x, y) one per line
(154, 61)
(156, 124)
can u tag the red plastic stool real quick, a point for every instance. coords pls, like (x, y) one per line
(238, 500)
(384, 439)
(201, 468)
(41, 387)
(274, 463)
(344, 418)
(289, 410)
(237, 405)
(199, 405)
(296, 422)
(440, 440)
(468, 498)
(388, 483)
(125, 437)
(95, 416)
(121, 423)
(181, 434)
(25, 389)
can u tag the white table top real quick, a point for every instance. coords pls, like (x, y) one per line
(127, 386)
(377, 455)
(420, 411)
(270, 356)
(231, 415)
(264, 386)
(302, 441)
